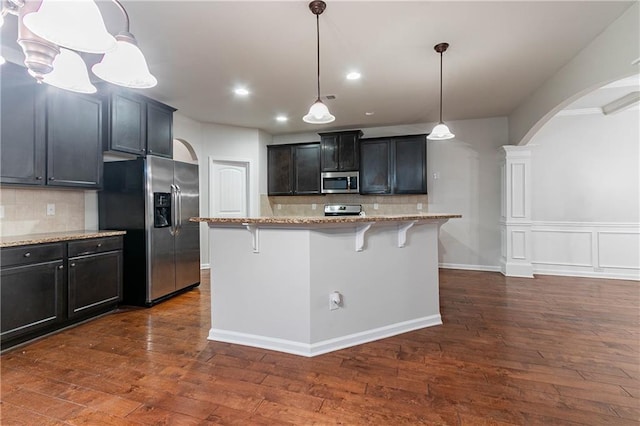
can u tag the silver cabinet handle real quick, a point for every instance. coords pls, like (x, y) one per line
(99, 245)
(27, 254)
(52, 178)
(61, 267)
(38, 177)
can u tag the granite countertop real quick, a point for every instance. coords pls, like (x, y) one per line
(54, 237)
(322, 220)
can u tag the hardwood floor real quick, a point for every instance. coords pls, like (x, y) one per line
(511, 351)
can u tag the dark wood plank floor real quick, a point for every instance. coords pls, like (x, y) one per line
(511, 351)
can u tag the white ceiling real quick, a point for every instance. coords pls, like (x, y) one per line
(500, 53)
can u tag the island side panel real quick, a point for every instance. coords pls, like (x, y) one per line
(386, 289)
(260, 297)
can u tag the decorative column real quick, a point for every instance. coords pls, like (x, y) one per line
(515, 219)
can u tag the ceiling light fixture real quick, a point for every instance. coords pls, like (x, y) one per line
(281, 118)
(319, 112)
(45, 27)
(354, 75)
(241, 91)
(440, 131)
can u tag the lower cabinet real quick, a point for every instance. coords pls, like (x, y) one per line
(45, 287)
(95, 278)
(32, 290)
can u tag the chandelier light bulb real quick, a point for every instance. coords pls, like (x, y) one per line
(76, 25)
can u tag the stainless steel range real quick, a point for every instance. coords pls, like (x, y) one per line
(342, 209)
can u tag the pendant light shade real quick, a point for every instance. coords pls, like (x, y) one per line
(440, 131)
(319, 112)
(126, 65)
(70, 73)
(76, 25)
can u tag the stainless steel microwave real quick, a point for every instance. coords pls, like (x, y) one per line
(340, 182)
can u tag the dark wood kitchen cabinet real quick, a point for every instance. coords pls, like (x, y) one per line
(49, 136)
(74, 139)
(293, 169)
(95, 275)
(32, 288)
(340, 151)
(45, 287)
(138, 125)
(396, 165)
(22, 126)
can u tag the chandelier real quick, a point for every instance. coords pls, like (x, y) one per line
(52, 32)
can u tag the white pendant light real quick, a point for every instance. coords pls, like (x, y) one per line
(319, 112)
(70, 73)
(126, 65)
(76, 25)
(440, 131)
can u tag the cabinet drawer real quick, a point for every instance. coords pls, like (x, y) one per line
(96, 245)
(24, 255)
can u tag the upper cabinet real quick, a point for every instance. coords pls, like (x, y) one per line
(293, 169)
(138, 125)
(49, 136)
(396, 165)
(22, 143)
(340, 151)
(74, 139)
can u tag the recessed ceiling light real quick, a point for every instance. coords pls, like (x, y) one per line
(353, 75)
(369, 113)
(282, 118)
(241, 91)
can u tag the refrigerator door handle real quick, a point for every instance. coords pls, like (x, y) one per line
(174, 210)
(179, 225)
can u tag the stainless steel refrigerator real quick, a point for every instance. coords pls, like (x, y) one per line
(152, 199)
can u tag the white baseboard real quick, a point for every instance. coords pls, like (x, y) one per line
(322, 347)
(568, 271)
(204, 266)
(485, 268)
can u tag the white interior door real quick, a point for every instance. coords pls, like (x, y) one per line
(228, 183)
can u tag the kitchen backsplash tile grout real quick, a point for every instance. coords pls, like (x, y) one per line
(302, 205)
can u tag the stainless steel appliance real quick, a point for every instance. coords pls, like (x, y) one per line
(152, 199)
(340, 182)
(342, 210)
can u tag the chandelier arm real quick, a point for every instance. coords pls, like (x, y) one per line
(124, 12)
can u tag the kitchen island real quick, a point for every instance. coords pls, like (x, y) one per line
(273, 278)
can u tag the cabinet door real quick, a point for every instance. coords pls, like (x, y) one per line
(375, 166)
(159, 130)
(22, 139)
(127, 129)
(74, 139)
(348, 152)
(329, 160)
(279, 170)
(95, 281)
(306, 173)
(32, 298)
(410, 165)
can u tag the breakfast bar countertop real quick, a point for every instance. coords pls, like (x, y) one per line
(54, 237)
(322, 220)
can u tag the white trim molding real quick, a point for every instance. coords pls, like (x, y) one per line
(586, 249)
(324, 346)
(466, 267)
(515, 222)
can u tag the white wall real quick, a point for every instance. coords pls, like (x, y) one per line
(221, 142)
(586, 196)
(469, 183)
(609, 57)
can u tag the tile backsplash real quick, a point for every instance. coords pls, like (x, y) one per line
(24, 211)
(302, 205)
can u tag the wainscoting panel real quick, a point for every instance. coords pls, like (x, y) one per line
(588, 249)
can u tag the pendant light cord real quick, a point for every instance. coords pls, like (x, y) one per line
(441, 87)
(318, 50)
